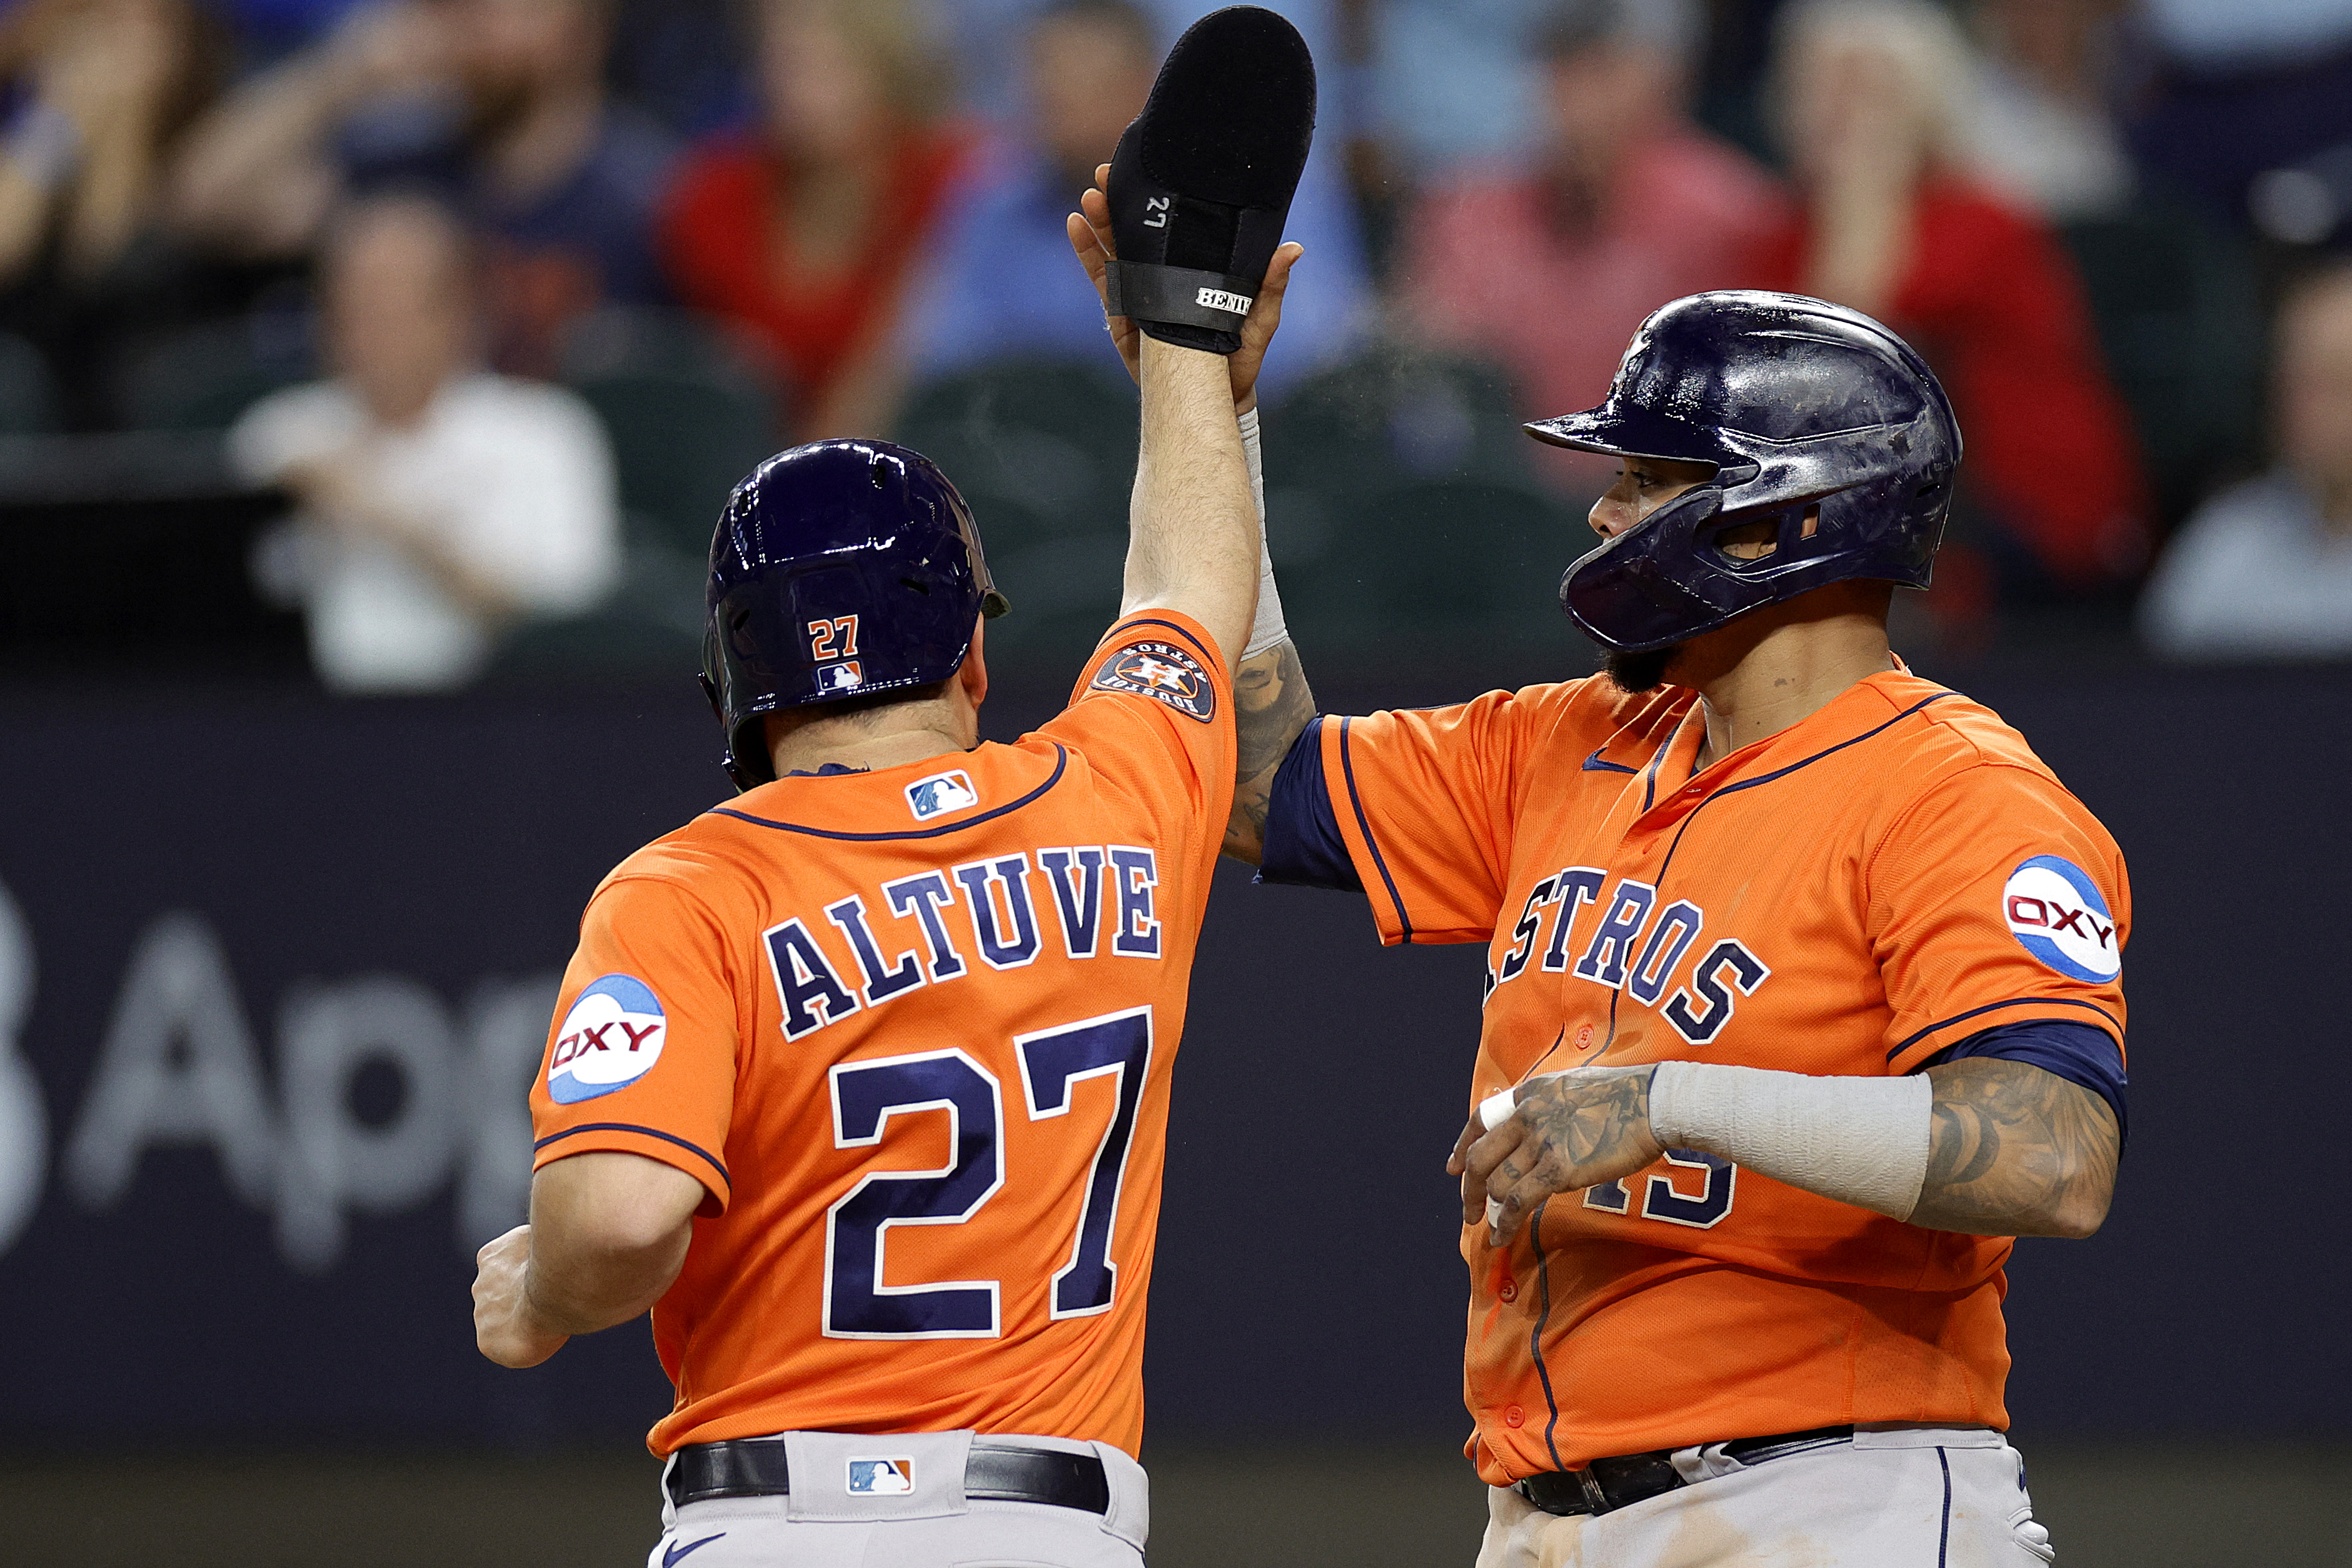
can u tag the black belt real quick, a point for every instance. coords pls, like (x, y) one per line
(1614, 1483)
(994, 1472)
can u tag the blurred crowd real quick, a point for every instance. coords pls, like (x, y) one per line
(504, 294)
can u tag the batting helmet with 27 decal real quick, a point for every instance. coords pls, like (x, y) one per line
(839, 570)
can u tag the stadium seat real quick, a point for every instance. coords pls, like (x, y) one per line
(1396, 416)
(688, 415)
(202, 377)
(1045, 452)
(1460, 570)
(28, 398)
(2179, 322)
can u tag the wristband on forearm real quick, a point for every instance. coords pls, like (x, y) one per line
(1861, 1140)
(1268, 630)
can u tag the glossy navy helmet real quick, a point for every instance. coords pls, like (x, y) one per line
(1798, 404)
(840, 569)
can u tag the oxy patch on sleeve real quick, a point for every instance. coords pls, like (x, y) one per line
(2054, 909)
(1164, 671)
(612, 1036)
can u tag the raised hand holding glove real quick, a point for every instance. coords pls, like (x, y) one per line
(1202, 180)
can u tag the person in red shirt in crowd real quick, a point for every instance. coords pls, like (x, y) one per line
(1869, 96)
(801, 230)
(1628, 204)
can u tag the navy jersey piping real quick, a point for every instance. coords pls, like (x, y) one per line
(1535, 1335)
(1061, 763)
(1997, 1006)
(1363, 824)
(1944, 1540)
(1595, 764)
(1172, 626)
(698, 1151)
(1783, 772)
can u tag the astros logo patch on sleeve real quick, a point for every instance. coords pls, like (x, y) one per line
(1163, 671)
(611, 1038)
(2058, 912)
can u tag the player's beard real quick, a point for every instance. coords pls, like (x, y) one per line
(1636, 673)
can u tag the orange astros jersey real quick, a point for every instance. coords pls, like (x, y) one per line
(911, 1030)
(1850, 896)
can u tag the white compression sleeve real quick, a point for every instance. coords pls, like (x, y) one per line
(1267, 629)
(1862, 1140)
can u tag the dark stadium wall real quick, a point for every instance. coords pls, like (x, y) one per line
(283, 967)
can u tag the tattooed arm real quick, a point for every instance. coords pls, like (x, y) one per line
(2016, 1151)
(2013, 1150)
(1272, 707)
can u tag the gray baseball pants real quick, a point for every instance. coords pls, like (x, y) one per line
(929, 1524)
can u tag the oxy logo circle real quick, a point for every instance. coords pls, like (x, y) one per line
(611, 1038)
(2060, 915)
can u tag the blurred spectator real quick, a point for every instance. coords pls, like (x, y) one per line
(439, 503)
(2244, 32)
(1872, 97)
(805, 231)
(104, 92)
(499, 106)
(1452, 81)
(2042, 131)
(1630, 206)
(2264, 569)
(1001, 282)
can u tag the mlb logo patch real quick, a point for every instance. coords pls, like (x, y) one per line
(846, 676)
(893, 1477)
(1163, 672)
(941, 793)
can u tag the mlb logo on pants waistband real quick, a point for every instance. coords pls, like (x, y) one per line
(881, 1477)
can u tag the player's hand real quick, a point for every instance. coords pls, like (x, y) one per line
(504, 1327)
(1090, 229)
(1569, 1130)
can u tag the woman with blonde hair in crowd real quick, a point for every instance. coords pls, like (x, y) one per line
(1872, 99)
(802, 230)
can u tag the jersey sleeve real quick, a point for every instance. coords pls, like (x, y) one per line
(1153, 718)
(1996, 899)
(641, 1059)
(1422, 800)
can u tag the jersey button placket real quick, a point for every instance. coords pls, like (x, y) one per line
(1508, 1292)
(1513, 1416)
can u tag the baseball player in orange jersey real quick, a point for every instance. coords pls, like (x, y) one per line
(861, 1081)
(1802, 983)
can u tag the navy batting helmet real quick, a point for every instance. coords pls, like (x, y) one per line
(840, 569)
(1799, 404)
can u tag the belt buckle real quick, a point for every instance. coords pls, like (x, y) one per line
(1595, 1497)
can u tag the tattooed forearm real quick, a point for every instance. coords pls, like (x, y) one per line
(1272, 706)
(2016, 1151)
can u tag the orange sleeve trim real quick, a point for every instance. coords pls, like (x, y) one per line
(628, 1138)
(2055, 1009)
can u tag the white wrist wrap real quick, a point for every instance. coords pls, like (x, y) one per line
(1267, 629)
(1862, 1140)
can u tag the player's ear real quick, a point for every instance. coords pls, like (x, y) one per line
(973, 676)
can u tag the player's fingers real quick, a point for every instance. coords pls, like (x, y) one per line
(1265, 310)
(1493, 1151)
(1102, 177)
(1458, 1161)
(1089, 249)
(1096, 209)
